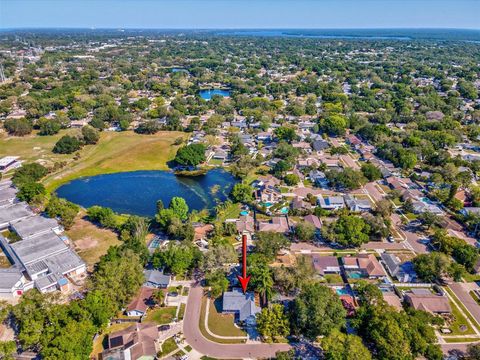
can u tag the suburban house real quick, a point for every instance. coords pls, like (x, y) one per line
(320, 145)
(366, 264)
(314, 220)
(140, 303)
(325, 264)
(156, 279)
(357, 205)
(392, 299)
(299, 204)
(267, 193)
(424, 299)
(277, 224)
(404, 272)
(240, 304)
(318, 178)
(139, 341)
(331, 202)
(245, 224)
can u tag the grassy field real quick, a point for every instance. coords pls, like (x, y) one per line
(115, 152)
(161, 315)
(91, 242)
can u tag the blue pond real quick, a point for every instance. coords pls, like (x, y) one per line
(137, 192)
(208, 93)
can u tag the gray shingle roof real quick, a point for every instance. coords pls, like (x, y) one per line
(157, 277)
(238, 302)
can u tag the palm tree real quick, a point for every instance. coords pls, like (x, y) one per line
(263, 281)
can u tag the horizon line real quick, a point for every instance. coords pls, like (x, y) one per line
(233, 28)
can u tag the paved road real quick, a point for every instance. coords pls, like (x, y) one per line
(197, 341)
(462, 290)
(412, 240)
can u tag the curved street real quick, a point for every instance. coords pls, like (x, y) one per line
(197, 341)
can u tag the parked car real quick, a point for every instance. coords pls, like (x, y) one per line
(164, 327)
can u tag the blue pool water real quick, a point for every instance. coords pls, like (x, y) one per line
(208, 93)
(284, 210)
(245, 212)
(355, 275)
(341, 291)
(137, 192)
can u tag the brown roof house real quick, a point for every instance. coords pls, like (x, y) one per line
(140, 303)
(367, 264)
(325, 264)
(138, 341)
(277, 224)
(245, 223)
(423, 299)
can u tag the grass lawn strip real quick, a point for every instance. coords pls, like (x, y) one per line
(457, 306)
(181, 311)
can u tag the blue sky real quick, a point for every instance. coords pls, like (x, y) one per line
(204, 14)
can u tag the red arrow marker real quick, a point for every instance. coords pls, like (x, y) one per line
(244, 279)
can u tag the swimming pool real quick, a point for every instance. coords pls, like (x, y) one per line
(244, 212)
(342, 291)
(284, 210)
(267, 204)
(355, 275)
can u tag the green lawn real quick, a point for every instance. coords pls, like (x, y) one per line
(162, 315)
(181, 312)
(464, 309)
(461, 340)
(207, 335)
(222, 324)
(333, 278)
(459, 321)
(475, 297)
(185, 291)
(168, 346)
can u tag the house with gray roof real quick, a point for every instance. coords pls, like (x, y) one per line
(357, 205)
(156, 279)
(331, 202)
(240, 304)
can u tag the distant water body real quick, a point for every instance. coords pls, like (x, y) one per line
(360, 34)
(275, 33)
(209, 93)
(137, 192)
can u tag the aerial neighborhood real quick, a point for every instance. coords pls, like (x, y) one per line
(139, 170)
